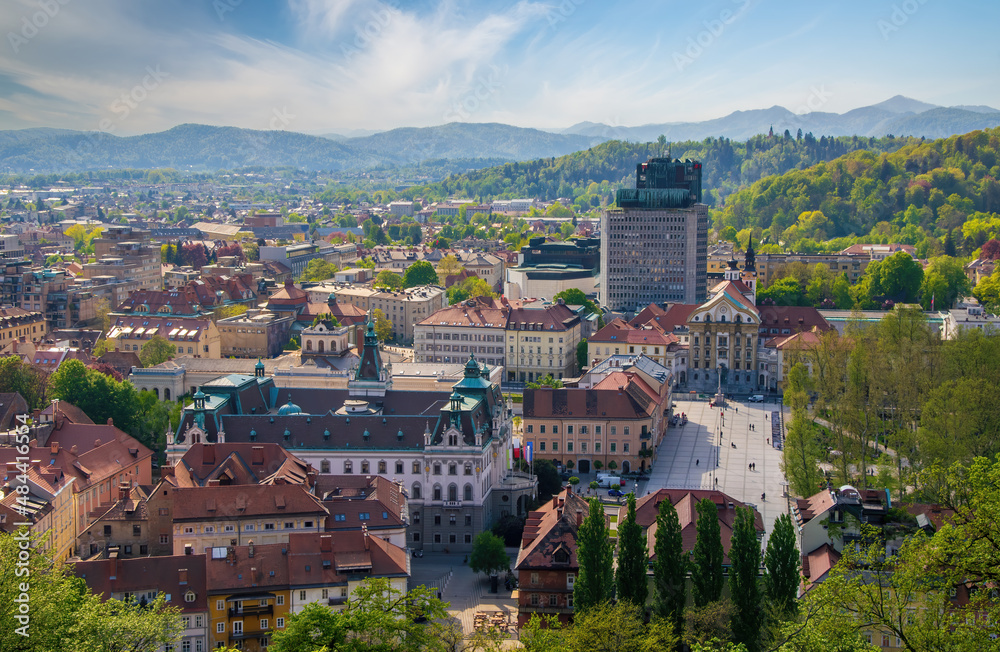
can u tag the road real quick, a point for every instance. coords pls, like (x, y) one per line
(691, 456)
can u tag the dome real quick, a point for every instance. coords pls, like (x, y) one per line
(259, 365)
(289, 408)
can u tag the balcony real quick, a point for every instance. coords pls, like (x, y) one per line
(339, 600)
(251, 611)
(452, 504)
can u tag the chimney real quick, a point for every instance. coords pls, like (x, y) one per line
(111, 421)
(326, 543)
(364, 532)
(54, 448)
(555, 501)
(73, 449)
(579, 517)
(214, 482)
(250, 548)
(207, 454)
(183, 576)
(257, 456)
(123, 491)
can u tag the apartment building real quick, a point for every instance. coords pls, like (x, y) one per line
(407, 307)
(194, 337)
(541, 341)
(450, 334)
(254, 334)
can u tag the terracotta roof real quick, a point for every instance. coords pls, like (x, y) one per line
(351, 495)
(620, 331)
(241, 573)
(802, 340)
(482, 312)
(675, 316)
(817, 564)
(239, 464)
(554, 317)
(808, 508)
(175, 575)
(199, 503)
(797, 318)
(11, 405)
(582, 403)
(685, 501)
(289, 295)
(552, 527)
(347, 552)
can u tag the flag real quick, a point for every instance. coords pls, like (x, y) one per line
(529, 451)
(932, 302)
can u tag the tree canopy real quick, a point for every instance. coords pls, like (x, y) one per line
(420, 273)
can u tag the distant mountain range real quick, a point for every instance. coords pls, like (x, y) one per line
(202, 147)
(898, 116)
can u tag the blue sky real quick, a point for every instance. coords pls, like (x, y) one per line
(316, 66)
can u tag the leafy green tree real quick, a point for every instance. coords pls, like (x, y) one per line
(383, 327)
(801, 452)
(448, 266)
(595, 583)
(987, 291)
(581, 355)
(960, 421)
(318, 270)
(670, 568)
(469, 288)
(64, 615)
(781, 561)
(488, 554)
(156, 351)
(706, 573)
(744, 555)
(633, 559)
(389, 279)
(728, 234)
(945, 282)
(18, 376)
(549, 482)
(619, 627)
(897, 278)
(544, 634)
(783, 292)
(420, 273)
(314, 627)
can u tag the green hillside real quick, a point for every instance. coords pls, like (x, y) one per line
(940, 195)
(589, 177)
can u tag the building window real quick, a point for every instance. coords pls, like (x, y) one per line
(382, 467)
(437, 468)
(531, 429)
(614, 430)
(220, 628)
(535, 600)
(348, 466)
(415, 491)
(614, 445)
(534, 579)
(625, 447)
(279, 622)
(399, 467)
(280, 601)
(570, 580)
(365, 468)
(467, 494)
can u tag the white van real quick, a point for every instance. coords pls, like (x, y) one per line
(607, 481)
(757, 398)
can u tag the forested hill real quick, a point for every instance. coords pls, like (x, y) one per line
(941, 193)
(589, 176)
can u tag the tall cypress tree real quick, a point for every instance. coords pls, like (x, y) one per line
(781, 583)
(595, 581)
(744, 557)
(706, 576)
(670, 567)
(633, 559)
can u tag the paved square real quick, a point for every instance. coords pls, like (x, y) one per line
(694, 457)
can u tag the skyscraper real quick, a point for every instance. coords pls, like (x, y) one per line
(654, 245)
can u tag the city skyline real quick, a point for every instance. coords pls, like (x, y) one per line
(320, 66)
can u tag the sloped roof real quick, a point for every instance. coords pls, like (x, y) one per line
(217, 502)
(553, 526)
(238, 463)
(174, 575)
(582, 403)
(807, 509)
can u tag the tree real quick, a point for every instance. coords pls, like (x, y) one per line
(318, 270)
(897, 278)
(544, 634)
(389, 279)
(420, 273)
(581, 355)
(944, 282)
(230, 310)
(549, 482)
(468, 288)
(103, 310)
(314, 627)
(23, 378)
(448, 266)
(801, 454)
(488, 554)
(633, 559)
(595, 583)
(744, 555)
(706, 575)
(383, 327)
(156, 351)
(781, 561)
(100, 397)
(619, 627)
(783, 292)
(670, 568)
(64, 615)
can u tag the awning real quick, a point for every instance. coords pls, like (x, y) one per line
(250, 596)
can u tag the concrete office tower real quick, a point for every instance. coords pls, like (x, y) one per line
(654, 245)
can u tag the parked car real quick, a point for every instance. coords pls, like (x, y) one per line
(757, 398)
(615, 493)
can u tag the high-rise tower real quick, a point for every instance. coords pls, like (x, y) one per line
(654, 245)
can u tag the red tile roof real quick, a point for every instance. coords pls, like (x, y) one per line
(553, 526)
(200, 503)
(175, 575)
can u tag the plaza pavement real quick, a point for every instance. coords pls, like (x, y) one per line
(720, 465)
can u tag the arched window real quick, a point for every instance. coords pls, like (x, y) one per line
(156, 392)
(722, 319)
(309, 345)
(468, 492)
(333, 346)
(319, 346)
(437, 492)
(452, 492)
(415, 491)
(166, 393)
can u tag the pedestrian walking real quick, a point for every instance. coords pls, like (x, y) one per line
(697, 462)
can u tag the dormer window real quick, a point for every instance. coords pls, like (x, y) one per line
(561, 556)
